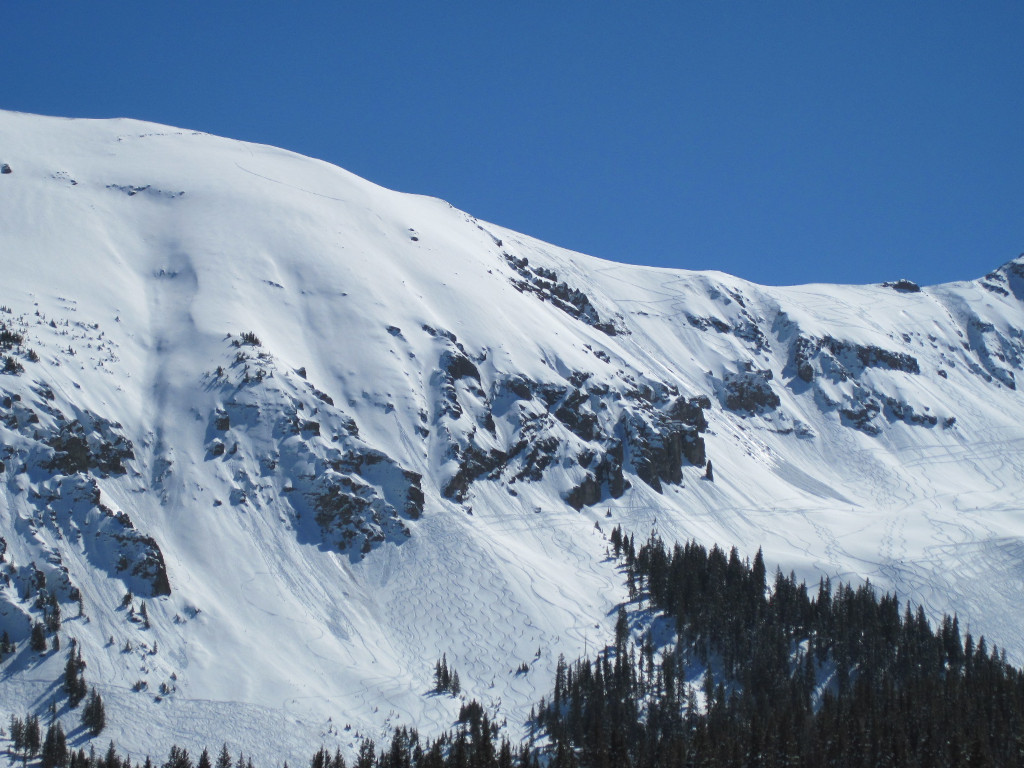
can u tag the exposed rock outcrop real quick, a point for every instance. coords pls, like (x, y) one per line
(544, 283)
(749, 391)
(292, 448)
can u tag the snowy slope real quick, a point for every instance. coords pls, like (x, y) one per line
(329, 432)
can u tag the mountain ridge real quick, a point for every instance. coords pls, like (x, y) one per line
(351, 428)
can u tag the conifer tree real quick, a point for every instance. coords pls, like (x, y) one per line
(37, 642)
(94, 717)
(439, 676)
(32, 738)
(74, 677)
(17, 733)
(178, 757)
(55, 748)
(621, 629)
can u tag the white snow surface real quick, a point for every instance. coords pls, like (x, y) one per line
(148, 245)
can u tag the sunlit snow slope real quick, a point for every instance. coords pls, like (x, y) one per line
(330, 432)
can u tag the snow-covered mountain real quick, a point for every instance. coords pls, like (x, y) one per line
(328, 432)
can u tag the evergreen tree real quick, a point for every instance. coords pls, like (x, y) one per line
(94, 717)
(621, 629)
(51, 615)
(446, 679)
(17, 733)
(367, 756)
(55, 748)
(37, 642)
(224, 758)
(440, 674)
(32, 738)
(74, 677)
(178, 757)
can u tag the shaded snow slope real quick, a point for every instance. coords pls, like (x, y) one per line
(330, 432)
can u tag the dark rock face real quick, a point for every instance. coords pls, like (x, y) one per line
(1010, 277)
(473, 463)
(454, 366)
(750, 392)
(294, 450)
(691, 422)
(96, 444)
(603, 481)
(659, 446)
(414, 498)
(458, 366)
(841, 360)
(833, 360)
(351, 513)
(586, 494)
(870, 356)
(998, 353)
(745, 327)
(862, 409)
(861, 415)
(581, 421)
(691, 412)
(903, 285)
(657, 456)
(537, 452)
(544, 283)
(804, 350)
(62, 460)
(607, 432)
(709, 323)
(141, 554)
(905, 412)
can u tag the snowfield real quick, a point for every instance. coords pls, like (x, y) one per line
(387, 468)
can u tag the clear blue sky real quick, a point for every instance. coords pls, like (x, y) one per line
(784, 142)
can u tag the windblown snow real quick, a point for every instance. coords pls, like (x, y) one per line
(329, 432)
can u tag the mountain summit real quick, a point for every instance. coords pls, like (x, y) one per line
(274, 440)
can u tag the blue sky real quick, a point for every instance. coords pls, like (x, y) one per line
(784, 142)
